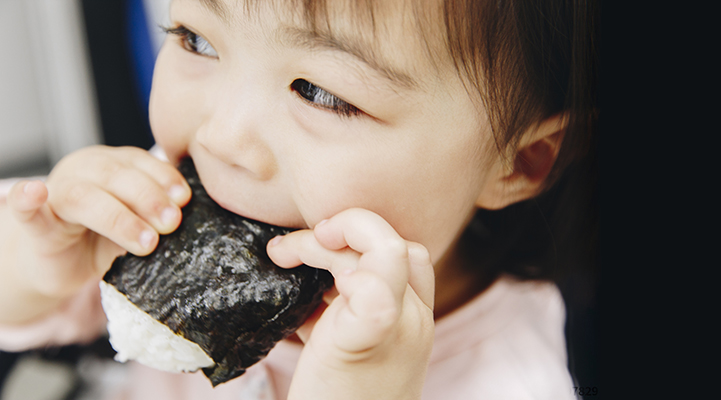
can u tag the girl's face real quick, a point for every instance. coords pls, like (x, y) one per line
(290, 127)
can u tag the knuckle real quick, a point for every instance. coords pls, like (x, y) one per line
(149, 200)
(168, 176)
(384, 318)
(136, 190)
(75, 195)
(109, 171)
(118, 220)
(381, 306)
(396, 246)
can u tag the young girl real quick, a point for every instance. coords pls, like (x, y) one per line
(378, 129)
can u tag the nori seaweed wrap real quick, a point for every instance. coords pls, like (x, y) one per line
(211, 282)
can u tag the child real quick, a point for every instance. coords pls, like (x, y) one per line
(378, 129)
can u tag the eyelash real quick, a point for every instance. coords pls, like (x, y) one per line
(190, 39)
(316, 96)
(312, 94)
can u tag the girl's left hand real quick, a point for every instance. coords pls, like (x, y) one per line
(374, 339)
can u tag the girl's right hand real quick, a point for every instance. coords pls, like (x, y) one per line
(96, 204)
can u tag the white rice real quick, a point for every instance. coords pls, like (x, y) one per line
(135, 335)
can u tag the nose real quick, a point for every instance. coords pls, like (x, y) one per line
(236, 130)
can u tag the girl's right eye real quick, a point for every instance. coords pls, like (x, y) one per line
(193, 42)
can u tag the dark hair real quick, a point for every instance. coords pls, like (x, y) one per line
(529, 60)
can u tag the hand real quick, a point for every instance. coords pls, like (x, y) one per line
(96, 204)
(374, 339)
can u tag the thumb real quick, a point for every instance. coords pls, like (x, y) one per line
(27, 202)
(26, 198)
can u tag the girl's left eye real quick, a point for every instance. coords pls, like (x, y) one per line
(193, 42)
(321, 98)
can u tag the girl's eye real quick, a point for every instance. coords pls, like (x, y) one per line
(193, 42)
(318, 97)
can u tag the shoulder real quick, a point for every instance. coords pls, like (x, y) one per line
(507, 343)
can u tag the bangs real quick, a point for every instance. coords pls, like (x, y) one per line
(373, 24)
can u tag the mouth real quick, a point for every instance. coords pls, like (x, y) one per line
(242, 196)
(252, 217)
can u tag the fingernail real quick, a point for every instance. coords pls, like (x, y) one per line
(177, 193)
(169, 216)
(275, 241)
(146, 238)
(28, 186)
(321, 223)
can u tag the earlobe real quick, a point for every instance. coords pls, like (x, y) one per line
(533, 161)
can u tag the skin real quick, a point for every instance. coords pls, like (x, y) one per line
(380, 196)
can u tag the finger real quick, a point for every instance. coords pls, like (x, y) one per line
(144, 196)
(26, 198)
(27, 202)
(382, 250)
(421, 276)
(370, 313)
(301, 247)
(167, 176)
(99, 211)
(100, 164)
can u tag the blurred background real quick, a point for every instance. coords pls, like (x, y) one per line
(72, 73)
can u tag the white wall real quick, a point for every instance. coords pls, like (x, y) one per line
(47, 101)
(22, 126)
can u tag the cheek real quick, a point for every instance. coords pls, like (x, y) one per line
(413, 194)
(173, 102)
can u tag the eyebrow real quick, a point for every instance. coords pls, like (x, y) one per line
(217, 8)
(315, 40)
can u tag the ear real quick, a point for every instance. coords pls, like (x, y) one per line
(533, 160)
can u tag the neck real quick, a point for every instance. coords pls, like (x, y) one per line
(459, 278)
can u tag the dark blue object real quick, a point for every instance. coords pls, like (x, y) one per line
(142, 52)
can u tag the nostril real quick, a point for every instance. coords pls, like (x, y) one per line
(260, 161)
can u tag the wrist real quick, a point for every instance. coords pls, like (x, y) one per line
(378, 378)
(21, 301)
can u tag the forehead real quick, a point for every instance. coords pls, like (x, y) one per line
(401, 39)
